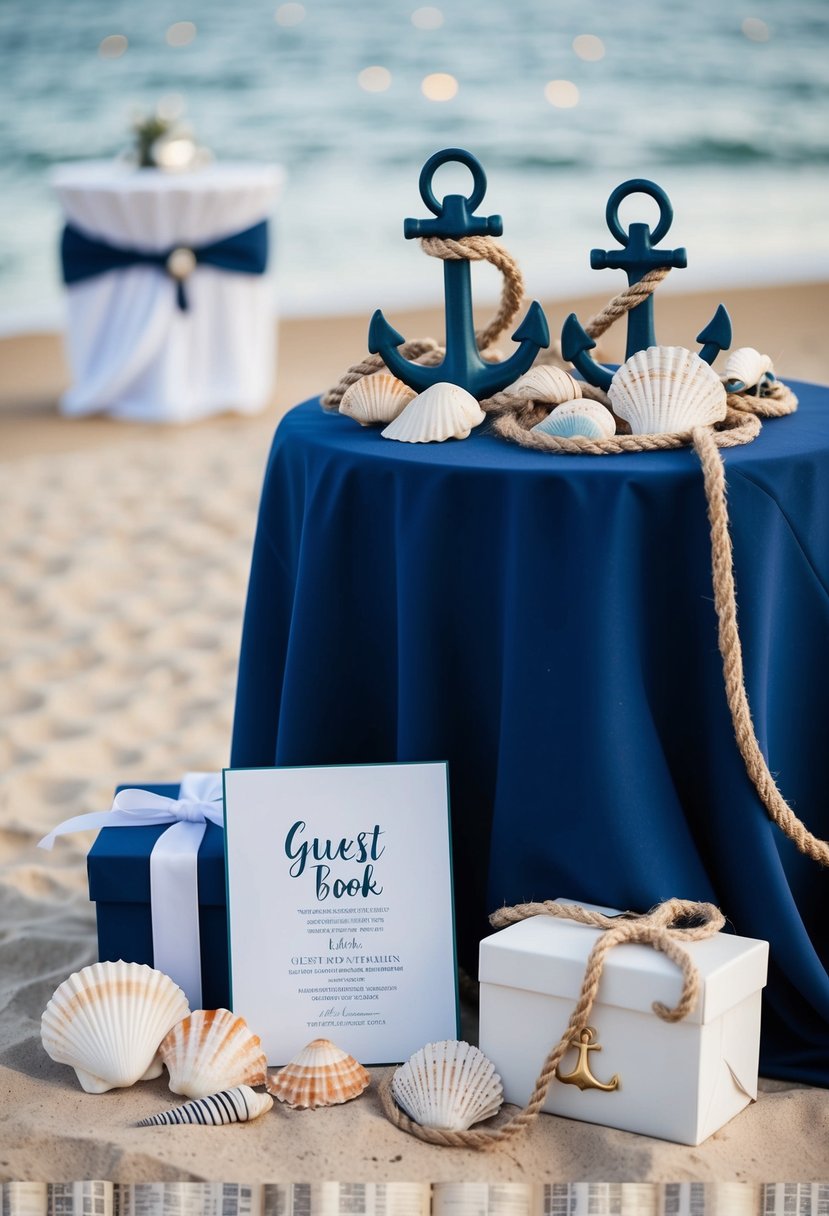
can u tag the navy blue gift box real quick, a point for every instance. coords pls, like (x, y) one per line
(118, 866)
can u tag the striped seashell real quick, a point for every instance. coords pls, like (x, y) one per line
(442, 411)
(212, 1050)
(551, 385)
(666, 390)
(589, 419)
(108, 1020)
(448, 1085)
(747, 371)
(321, 1075)
(376, 398)
(237, 1105)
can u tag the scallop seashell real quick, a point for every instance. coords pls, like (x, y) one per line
(237, 1105)
(545, 383)
(586, 418)
(321, 1075)
(448, 1085)
(377, 398)
(747, 371)
(666, 389)
(108, 1020)
(442, 411)
(211, 1050)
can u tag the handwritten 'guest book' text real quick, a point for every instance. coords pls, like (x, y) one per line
(340, 907)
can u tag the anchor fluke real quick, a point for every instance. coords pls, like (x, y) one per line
(716, 336)
(380, 334)
(533, 328)
(575, 343)
(574, 338)
(383, 340)
(532, 335)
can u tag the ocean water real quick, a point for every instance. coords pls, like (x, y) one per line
(725, 105)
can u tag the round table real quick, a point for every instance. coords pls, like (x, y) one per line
(546, 625)
(133, 352)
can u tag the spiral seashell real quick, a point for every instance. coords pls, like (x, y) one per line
(107, 1021)
(747, 371)
(442, 411)
(551, 385)
(237, 1105)
(448, 1085)
(376, 398)
(665, 390)
(586, 418)
(321, 1075)
(212, 1050)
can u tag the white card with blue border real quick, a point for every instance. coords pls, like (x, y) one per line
(340, 910)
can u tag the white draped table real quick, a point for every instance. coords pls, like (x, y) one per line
(133, 352)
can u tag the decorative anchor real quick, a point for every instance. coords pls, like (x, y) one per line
(462, 363)
(637, 257)
(581, 1074)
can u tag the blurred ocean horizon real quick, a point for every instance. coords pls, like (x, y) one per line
(725, 107)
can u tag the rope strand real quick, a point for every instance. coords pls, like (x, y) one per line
(630, 298)
(725, 602)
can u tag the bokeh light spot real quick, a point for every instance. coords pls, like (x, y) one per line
(588, 47)
(755, 29)
(289, 14)
(374, 79)
(427, 18)
(180, 33)
(113, 46)
(439, 86)
(562, 94)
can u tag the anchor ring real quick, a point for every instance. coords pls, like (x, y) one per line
(464, 158)
(638, 185)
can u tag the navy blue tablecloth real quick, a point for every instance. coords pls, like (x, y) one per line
(545, 623)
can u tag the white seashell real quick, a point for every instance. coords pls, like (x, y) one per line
(587, 418)
(211, 1050)
(237, 1105)
(665, 390)
(321, 1075)
(442, 411)
(448, 1085)
(746, 370)
(545, 383)
(377, 398)
(108, 1020)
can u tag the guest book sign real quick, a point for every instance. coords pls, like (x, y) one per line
(340, 907)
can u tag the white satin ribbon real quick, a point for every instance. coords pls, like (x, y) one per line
(174, 891)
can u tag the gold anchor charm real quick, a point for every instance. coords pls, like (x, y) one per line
(581, 1074)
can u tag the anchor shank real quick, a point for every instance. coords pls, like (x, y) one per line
(461, 356)
(637, 256)
(641, 332)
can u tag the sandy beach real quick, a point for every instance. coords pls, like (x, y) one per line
(124, 570)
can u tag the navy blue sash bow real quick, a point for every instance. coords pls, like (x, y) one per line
(84, 257)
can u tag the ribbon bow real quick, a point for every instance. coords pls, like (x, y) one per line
(174, 891)
(84, 257)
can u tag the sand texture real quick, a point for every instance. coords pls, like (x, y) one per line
(123, 575)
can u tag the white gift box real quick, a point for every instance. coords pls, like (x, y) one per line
(678, 1081)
